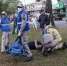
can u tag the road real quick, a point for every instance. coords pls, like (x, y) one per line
(61, 24)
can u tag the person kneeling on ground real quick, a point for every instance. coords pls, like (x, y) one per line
(52, 40)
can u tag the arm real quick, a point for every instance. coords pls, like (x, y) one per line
(39, 20)
(57, 36)
(36, 45)
(0, 23)
(0, 20)
(24, 18)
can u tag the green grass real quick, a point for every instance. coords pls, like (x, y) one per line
(58, 58)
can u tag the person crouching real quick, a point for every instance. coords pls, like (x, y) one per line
(52, 40)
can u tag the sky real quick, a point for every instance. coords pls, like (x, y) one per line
(32, 1)
(27, 1)
(54, 1)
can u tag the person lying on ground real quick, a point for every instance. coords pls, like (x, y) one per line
(51, 41)
(34, 45)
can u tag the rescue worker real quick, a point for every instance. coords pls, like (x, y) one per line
(5, 28)
(23, 27)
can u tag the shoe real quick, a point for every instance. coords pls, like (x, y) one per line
(6, 47)
(27, 59)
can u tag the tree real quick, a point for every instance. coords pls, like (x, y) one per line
(12, 6)
(8, 5)
(3, 6)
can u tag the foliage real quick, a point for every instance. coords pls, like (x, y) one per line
(8, 5)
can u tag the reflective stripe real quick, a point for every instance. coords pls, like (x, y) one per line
(4, 24)
(27, 22)
(19, 23)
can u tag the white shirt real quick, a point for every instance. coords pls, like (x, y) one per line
(47, 38)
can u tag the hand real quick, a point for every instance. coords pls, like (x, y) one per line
(49, 42)
(19, 33)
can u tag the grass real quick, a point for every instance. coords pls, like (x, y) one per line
(58, 58)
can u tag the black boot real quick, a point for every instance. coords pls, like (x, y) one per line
(64, 45)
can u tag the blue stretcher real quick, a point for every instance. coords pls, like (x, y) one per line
(16, 48)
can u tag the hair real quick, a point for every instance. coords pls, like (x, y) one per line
(42, 10)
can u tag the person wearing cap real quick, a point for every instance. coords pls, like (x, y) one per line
(5, 28)
(21, 17)
(22, 20)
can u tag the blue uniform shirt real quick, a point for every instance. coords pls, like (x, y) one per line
(22, 15)
(5, 24)
(18, 18)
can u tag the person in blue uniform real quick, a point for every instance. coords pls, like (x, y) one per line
(5, 28)
(22, 20)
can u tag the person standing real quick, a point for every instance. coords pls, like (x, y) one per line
(34, 22)
(43, 20)
(23, 27)
(5, 28)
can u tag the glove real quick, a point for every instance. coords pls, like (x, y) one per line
(19, 33)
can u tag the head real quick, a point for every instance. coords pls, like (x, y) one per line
(47, 28)
(3, 13)
(42, 11)
(20, 7)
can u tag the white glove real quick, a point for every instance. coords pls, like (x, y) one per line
(19, 33)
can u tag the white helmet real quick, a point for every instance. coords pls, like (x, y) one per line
(20, 5)
(3, 12)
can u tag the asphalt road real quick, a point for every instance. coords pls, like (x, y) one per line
(61, 24)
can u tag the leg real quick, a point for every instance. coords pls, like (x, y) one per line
(59, 46)
(47, 48)
(25, 42)
(7, 40)
(45, 51)
(3, 42)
